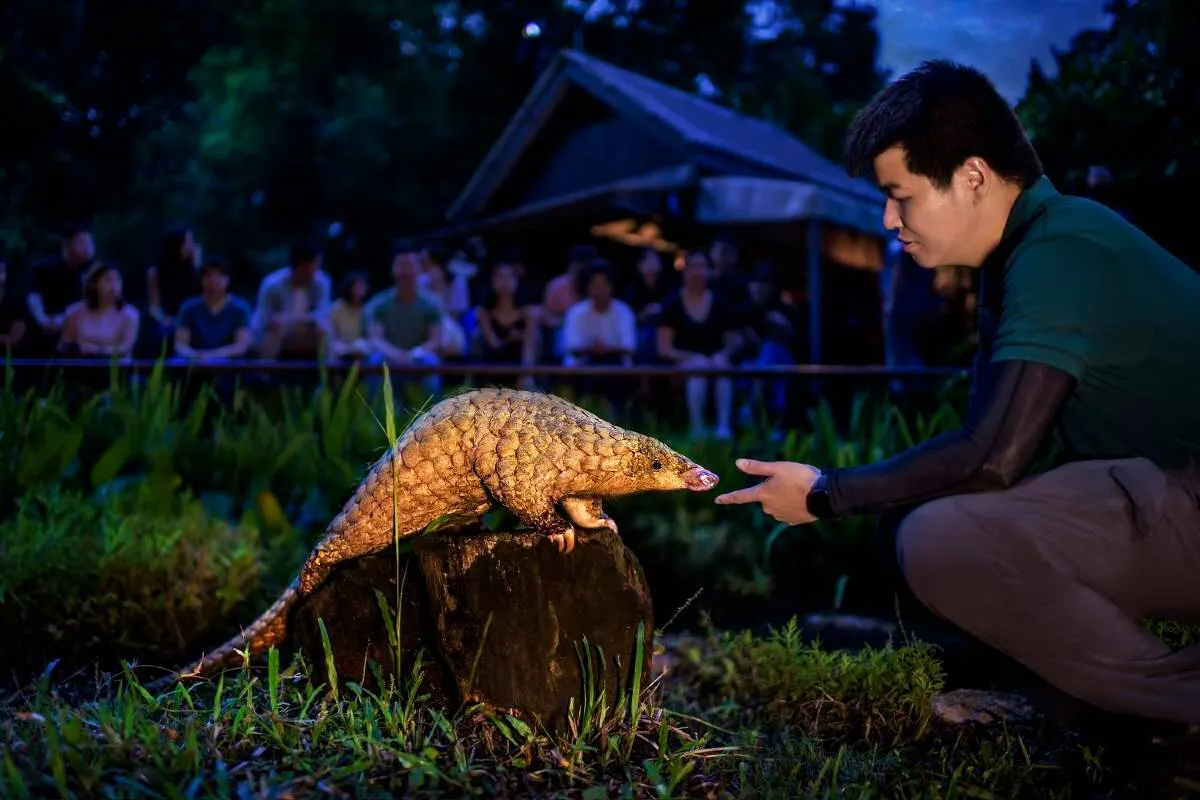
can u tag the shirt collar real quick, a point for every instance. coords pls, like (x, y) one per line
(1029, 202)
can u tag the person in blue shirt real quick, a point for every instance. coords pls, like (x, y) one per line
(214, 324)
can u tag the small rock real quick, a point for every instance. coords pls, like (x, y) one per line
(972, 705)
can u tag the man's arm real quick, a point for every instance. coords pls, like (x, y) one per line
(1013, 413)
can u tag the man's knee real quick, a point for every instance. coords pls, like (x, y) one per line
(938, 550)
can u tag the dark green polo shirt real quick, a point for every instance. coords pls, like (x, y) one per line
(1085, 291)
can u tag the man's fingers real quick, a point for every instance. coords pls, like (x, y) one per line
(747, 495)
(752, 467)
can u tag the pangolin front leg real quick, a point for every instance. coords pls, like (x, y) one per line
(588, 512)
(537, 512)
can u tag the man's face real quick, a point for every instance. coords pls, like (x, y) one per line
(80, 248)
(405, 267)
(599, 289)
(935, 226)
(304, 274)
(214, 282)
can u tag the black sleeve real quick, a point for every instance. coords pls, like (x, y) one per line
(1012, 413)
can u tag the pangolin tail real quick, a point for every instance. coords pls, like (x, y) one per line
(269, 629)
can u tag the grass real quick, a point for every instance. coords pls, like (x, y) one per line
(824, 725)
(733, 715)
(145, 529)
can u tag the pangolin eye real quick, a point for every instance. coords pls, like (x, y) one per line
(656, 465)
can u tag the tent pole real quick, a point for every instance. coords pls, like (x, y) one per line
(815, 301)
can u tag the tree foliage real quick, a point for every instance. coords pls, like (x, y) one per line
(258, 122)
(1127, 98)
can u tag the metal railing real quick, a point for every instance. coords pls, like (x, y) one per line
(484, 369)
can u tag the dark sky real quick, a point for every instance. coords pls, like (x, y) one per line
(997, 36)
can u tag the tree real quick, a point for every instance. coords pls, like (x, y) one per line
(1127, 98)
(321, 112)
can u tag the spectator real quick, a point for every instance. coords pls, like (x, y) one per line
(431, 282)
(599, 329)
(727, 280)
(13, 315)
(769, 329)
(645, 294)
(174, 277)
(403, 325)
(215, 324)
(56, 284)
(695, 332)
(347, 329)
(102, 324)
(562, 292)
(507, 328)
(292, 311)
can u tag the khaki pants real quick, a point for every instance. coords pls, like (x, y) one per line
(1057, 571)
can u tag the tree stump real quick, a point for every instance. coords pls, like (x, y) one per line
(502, 618)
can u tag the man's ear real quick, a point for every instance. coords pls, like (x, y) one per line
(975, 176)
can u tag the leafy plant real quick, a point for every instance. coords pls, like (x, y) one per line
(83, 576)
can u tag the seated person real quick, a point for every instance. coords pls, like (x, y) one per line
(507, 328)
(698, 330)
(403, 325)
(347, 327)
(102, 324)
(14, 317)
(215, 324)
(600, 330)
(293, 307)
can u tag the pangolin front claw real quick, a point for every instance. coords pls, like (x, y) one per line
(565, 542)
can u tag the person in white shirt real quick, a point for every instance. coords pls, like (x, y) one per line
(600, 329)
(292, 313)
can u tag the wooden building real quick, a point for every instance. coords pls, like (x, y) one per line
(597, 153)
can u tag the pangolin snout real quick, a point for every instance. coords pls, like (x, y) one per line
(698, 479)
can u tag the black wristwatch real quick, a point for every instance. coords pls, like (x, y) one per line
(818, 498)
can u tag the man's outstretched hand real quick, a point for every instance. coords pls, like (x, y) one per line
(784, 493)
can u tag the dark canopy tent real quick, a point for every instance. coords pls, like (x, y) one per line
(595, 150)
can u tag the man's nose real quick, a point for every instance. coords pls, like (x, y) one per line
(891, 215)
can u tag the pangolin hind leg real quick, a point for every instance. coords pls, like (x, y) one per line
(588, 512)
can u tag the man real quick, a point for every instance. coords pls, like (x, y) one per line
(56, 283)
(215, 324)
(403, 325)
(290, 317)
(562, 292)
(1087, 328)
(600, 329)
(13, 316)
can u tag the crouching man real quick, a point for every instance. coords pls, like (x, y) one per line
(1088, 330)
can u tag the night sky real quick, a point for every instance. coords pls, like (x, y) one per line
(997, 36)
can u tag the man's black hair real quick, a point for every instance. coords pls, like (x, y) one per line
(72, 228)
(218, 262)
(595, 266)
(942, 113)
(304, 252)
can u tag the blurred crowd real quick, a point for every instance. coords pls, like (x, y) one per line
(699, 308)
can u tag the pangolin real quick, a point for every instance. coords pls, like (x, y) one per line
(533, 453)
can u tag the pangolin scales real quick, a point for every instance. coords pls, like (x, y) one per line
(531, 452)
